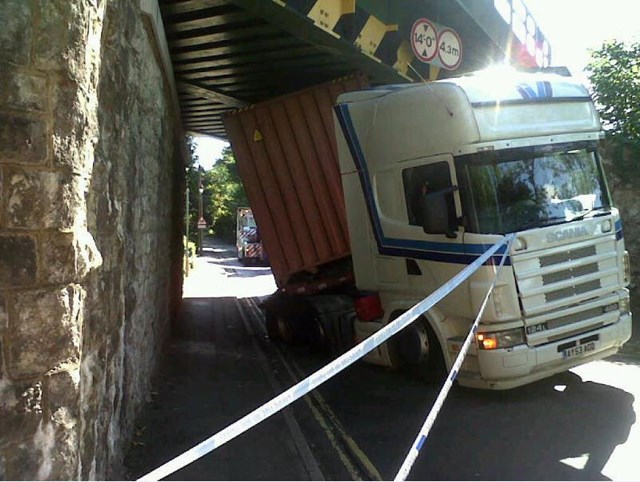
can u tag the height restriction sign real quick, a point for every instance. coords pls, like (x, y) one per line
(449, 49)
(424, 40)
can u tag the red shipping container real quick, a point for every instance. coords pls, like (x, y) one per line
(285, 151)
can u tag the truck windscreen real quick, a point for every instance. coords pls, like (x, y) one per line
(517, 189)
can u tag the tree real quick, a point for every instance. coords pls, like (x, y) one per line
(614, 72)
(193, 171)
(224, 195)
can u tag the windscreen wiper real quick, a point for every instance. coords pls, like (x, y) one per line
(580, 217)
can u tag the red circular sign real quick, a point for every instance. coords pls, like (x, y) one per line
(424, 40)
(449, 49)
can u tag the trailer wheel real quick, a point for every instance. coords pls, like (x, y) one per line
(417, 351)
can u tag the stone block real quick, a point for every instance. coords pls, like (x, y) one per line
(45, 331)
(68, 257)
(64, 455)
(4, 318)
(18, 265)
(39, 199)
(20, 407)
(20, 462)
(49, 453)
(22, 139)
(63, 392)
(16, 32)
(59, 40)
(22, 92)
(73, 132)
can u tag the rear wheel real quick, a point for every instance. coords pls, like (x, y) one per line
(272, 325)
(294, 322)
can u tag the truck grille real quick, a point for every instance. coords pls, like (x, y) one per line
(566, 274)
(572, 291)
(574, 318)
(565, 256)
(570, 273)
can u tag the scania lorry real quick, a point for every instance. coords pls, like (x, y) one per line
(428, 177)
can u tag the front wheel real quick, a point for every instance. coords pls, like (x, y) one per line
(417, 351)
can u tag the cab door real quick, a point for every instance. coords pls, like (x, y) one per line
(413, 254)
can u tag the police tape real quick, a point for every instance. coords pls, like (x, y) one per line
(421, 438)
(297, 391)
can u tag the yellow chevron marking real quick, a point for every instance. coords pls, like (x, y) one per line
(327, 13)
(405, 56)
(257, 136)
(372, 34)
(348, 6)
(434, 70)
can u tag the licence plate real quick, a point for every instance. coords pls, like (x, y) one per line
(578, 350)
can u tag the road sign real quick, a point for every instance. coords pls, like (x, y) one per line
(202, 224)
(449, 49)
(424, 40)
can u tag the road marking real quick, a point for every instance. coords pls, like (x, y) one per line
(309, 461)
(296, 374)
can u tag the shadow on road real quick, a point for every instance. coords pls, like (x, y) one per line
(522, 434)
(531, 430)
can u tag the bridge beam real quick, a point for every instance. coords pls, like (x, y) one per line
(210, 94)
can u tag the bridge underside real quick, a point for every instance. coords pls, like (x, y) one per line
(227, 54)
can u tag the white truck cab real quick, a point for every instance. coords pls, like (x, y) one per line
(435, 173)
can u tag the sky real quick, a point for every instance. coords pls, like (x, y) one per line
(572, 27)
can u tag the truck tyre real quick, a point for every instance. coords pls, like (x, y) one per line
(292, 322)
(271, 324)
(417, 351)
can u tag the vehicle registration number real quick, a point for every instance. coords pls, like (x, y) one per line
(579, 350)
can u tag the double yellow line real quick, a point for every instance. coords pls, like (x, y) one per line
(354, 459)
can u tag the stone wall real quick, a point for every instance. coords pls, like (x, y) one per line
(623, 177)
(89, 232)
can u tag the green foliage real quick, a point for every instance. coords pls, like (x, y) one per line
(614, 72)
(225, 195)
(222, 194)
(194, 171)
(190, 255)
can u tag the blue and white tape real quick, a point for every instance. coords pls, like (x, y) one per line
(411, 457)
(297, 391)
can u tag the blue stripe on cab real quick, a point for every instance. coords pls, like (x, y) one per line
(407, 248)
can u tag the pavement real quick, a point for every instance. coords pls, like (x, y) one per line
(213, 374)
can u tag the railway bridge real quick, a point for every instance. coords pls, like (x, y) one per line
(96, 97)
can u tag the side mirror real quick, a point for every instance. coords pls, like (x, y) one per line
(435, 208)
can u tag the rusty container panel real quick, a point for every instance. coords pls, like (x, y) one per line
(285, 151)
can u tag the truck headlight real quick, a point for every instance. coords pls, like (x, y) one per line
(500, 339)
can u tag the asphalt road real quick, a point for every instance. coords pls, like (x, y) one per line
(580, 425)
